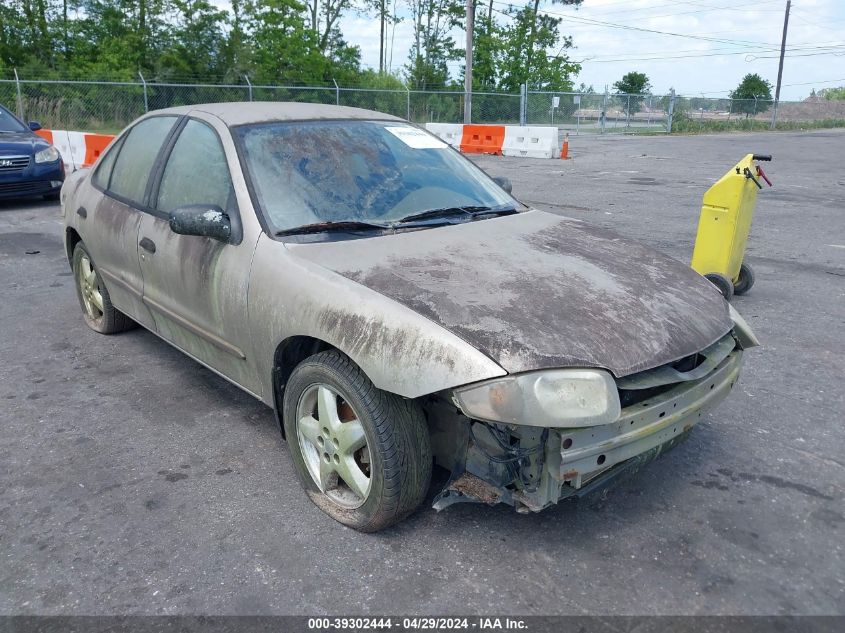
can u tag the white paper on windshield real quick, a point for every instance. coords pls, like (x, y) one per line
(412, 137)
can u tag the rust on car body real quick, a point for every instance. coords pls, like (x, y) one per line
(535, 290)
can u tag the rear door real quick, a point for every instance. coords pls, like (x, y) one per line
(196, 287)
(110, 228)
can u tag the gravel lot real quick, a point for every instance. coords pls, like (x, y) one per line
(134, 481)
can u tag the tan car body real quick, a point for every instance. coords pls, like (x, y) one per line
(231, 306)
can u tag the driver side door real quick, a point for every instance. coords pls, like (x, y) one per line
(195, 286)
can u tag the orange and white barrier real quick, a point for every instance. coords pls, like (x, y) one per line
(450, 133)
(507, 140)
(78, 149)
(483, 139)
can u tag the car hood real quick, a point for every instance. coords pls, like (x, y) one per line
(20, 143)
(535, 290)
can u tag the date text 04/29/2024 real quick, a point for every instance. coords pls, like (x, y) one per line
(417, 624)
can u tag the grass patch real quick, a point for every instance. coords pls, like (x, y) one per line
(691, 125)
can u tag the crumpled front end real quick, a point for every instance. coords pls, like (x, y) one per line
(532, 467)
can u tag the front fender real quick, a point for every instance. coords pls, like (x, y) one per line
(400, 351)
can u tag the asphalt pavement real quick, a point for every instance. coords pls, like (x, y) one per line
(132, 480)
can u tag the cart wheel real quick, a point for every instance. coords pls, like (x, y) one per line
(745, 280)
(721, 282)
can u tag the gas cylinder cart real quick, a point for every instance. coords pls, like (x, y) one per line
(723, 227)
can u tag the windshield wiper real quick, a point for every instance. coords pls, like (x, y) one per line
(325, 227)
(448, 212)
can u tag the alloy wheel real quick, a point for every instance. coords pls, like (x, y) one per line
(333, 445)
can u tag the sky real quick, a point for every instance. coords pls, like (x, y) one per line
(717, 42)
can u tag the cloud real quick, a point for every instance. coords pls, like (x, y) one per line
(364, 32)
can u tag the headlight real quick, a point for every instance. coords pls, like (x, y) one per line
(553, 398)
(49, 155)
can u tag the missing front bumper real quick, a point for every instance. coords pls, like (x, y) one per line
(578, 461)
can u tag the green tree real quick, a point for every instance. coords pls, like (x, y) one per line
(195, 48)
(752, 96)
(524, 58)
(536, 25)
(432, 47)
(634, 85)
(834, 94)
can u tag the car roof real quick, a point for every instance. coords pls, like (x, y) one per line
(244, 112)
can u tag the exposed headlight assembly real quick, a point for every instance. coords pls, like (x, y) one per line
(559, 398)
(48, 155)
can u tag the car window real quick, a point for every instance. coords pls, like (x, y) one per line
(9, 123)
(196, 171)
(105, 165)
(135, 160)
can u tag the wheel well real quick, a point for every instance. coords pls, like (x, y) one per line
(71, 241)
(289, 354)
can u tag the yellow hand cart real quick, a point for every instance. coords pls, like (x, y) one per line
(723, 227)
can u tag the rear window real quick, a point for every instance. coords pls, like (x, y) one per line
(105, 165)
(137, 156)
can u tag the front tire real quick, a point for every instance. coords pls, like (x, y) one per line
(100, 315)
(363, 455)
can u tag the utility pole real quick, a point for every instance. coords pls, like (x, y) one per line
(780, 65)
(468, 69)
(381, 51)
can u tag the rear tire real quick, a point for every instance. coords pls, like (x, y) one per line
(724, 285)
(100, 315)
(745, 280)
(340, 427)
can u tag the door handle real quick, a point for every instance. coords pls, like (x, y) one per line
(147, 244)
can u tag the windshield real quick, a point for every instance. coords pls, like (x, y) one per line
(377, 172)
(8, 123)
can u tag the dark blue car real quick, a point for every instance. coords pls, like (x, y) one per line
(29, 165)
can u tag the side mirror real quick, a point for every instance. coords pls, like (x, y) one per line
(204, 220)
(34, 126)
(504, 183)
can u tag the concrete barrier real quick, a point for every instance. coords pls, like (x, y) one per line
(450, 133)
(508, 140)
(483, 139)
(78, 149)
(531, 142)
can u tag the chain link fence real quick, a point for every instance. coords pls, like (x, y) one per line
(592, 113)
(109, 106)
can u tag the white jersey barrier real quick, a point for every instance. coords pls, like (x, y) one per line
(71, 146)
(450, 133)
(531, 142)
(78, 149)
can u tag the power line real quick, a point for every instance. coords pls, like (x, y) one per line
(747, 53)
(716, 52)
(580, 20)
(707, 10)
(703, 8)
(747, 47)
(814, 83)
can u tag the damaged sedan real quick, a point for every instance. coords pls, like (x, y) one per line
(397, 307)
